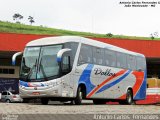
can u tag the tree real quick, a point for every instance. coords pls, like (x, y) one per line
(109, 34)
(17, 17)
(154, 35)
(31, 19)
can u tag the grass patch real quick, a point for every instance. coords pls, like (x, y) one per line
(9, 27)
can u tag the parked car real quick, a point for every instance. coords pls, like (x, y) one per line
(8, 97)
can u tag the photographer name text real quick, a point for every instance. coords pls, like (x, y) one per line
(140, 3)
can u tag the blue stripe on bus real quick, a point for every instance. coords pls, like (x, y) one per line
(114, 83)
(85, 78)
(14, 62)
(27, 84)
(22, 83)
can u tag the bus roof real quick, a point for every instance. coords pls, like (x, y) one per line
(64, 39)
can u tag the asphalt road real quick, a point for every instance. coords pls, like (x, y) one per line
(56, 110)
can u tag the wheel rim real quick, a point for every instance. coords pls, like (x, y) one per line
(80, 95)
(8, 101)
(129, 98)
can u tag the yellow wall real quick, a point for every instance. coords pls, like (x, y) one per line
(153, 82)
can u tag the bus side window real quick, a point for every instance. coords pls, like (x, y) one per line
(110, 58)
(141, 64)
(65, 65)
(121, 60)
(131, 62)
(73, 46)
(97, 55)
(85, 55)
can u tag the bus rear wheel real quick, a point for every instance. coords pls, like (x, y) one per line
(129, 97)
(44, 101)
(79, 97)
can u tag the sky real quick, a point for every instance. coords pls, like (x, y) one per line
(96, 16)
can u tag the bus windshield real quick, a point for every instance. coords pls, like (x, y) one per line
(39, 63)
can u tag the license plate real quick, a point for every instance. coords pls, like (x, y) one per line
(35, 93)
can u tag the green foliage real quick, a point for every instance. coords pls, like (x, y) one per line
(28, 29)
(17, 17)
(31, 19)
(109, 34)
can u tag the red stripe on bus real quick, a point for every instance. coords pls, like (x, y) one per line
(139, 80)
(122, 97)
(104, 82)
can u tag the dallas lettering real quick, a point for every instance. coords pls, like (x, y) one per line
(107, 72)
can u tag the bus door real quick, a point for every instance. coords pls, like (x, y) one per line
(67, 78)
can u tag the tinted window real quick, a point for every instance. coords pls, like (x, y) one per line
(6, 71)
(29, 61)
(131, 62)
(4, 93)
(141, 63)
(11, 71)
(73, 46)
(121, 60)
(98, 54)
(48, 64)
(85, 55)
(110, 58)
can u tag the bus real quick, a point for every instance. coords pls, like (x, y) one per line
(73, 68)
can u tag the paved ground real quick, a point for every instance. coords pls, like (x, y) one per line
(86, 108)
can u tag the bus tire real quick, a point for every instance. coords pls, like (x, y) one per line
(99, 102)
(79, 97)
(129, 97)
(44, 101)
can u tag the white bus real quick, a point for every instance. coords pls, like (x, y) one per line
(72, 68)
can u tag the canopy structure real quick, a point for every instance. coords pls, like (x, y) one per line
(17, 42)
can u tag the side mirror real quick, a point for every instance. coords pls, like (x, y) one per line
(60, 54)
(14, 57)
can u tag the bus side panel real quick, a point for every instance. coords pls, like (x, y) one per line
(84, 74)
(101, 84)
(110, 83)
(140, 91)
(67, 85)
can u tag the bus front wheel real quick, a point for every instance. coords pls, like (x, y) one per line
(79, 97)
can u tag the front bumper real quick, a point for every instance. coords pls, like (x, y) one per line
(36, 92)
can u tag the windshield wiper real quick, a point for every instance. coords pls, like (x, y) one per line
(30, 71)
(42, 69)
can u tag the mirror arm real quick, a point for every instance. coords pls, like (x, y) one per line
(14, 57)
(59, 58)
(69, 63)
(60, 69)
(60, 53)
